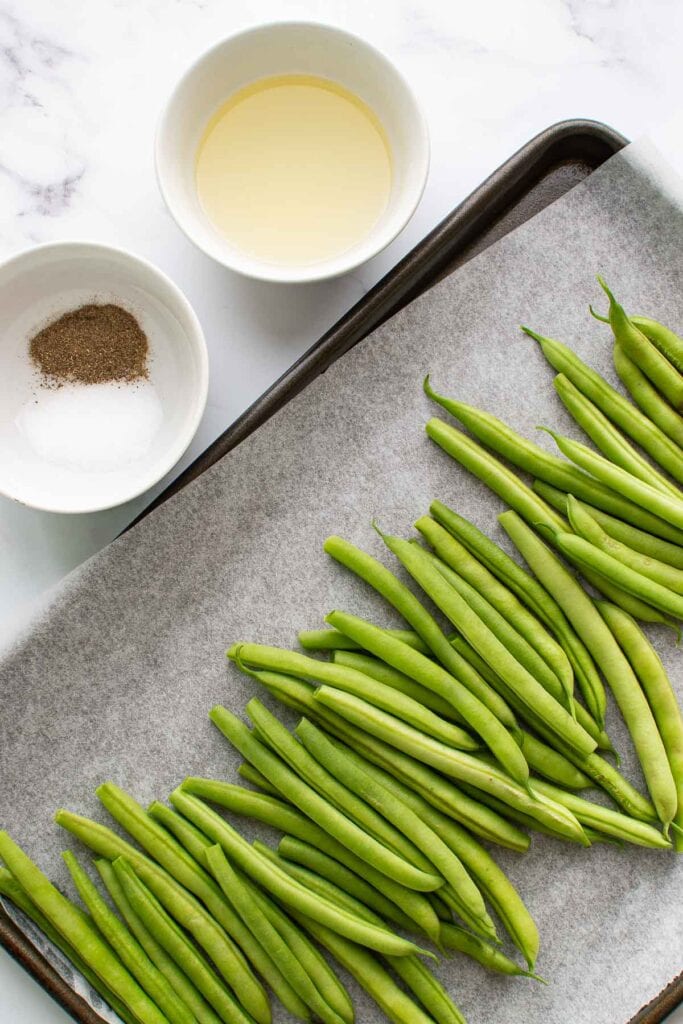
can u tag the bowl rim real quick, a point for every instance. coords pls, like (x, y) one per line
(195, 336)
(296, 274)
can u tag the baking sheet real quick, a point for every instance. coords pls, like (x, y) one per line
(116, 679)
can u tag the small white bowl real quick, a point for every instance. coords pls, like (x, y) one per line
(82, 448)
(279, 49)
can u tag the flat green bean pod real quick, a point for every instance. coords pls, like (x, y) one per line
(639, 540)
(646, 397)
(608, 438)
(622, 412)
(79, 932)
(641, 350)
(280, 884)
(608, 655)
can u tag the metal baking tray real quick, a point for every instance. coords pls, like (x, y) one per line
(541, 171)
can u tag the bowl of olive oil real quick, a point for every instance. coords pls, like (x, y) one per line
(292, 152)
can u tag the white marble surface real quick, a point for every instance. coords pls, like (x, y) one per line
(81, 86)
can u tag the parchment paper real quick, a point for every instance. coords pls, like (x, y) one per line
(117, 678)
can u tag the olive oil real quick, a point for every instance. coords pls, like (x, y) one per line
(294, 169)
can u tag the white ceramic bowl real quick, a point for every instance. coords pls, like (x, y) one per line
(82, 448)
(279, 49)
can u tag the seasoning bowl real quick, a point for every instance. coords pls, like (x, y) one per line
(86, 447)
(278, 49)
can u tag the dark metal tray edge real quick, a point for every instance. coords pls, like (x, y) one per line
(417, 271)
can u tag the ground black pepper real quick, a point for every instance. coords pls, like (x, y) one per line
(91, 345)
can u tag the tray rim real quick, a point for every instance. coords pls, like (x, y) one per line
(414, 272)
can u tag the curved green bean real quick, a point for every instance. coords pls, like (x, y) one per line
(586, 555)
(283, 816)
(605, 819)
(177, 979)
(608, 438)
(79, 932)
(639, 540)
(11, 890)
(488, 956)
(488, 645)
(469, 902)
(384, 673)
(177, 900)
(461, 561)
(428, 989)
(655, 682)
(608, 655)
(174, 940)
(267, 935)
(617, 408)
(127, 947)
(281, 885)
(667, 341)
(644, 354)
(432, 675)
(583, 524)
(407, 604)
(407, 865)
(164, 849)
(649, 400)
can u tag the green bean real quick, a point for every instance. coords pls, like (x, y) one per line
(11, 890)
(126, 946)
(489, 876)
(79, 932)
(488, 956)
(583, 524)
(176, 899)
(370, 975)
(584, 554)
(605, 819)
(308, 856)
(655, 408)
(267, 935)
(456, 555)
(282, 815)
(515, 643)
(174, 940)
(412, 869)
(250, 774)
(469, 902)
(639, 540)
(436, 678)
(488, 645)
(429, 991)
(444, 794)
(451, 762)
(552, 765)
(529, 591)
(644, 354)
(407, 604)
(610, 441)
(646, 497)
(196, 844)
(622, 412)
(279, 884)
(177, 979)
(161, 846)
(616, 669)
(531, 457)
(384, 673)
(667, 341)
(635, 606)
(333, 640)
(660, 695)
